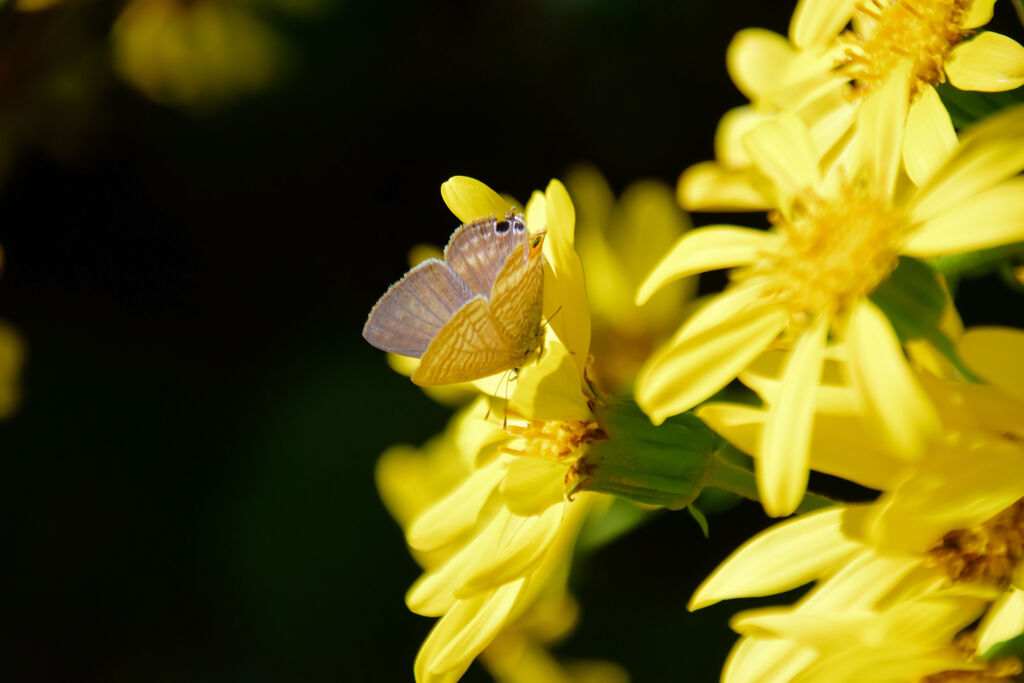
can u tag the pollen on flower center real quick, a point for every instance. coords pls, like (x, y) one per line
(835, 251)
(559, 440)
(923, 31)
(989, 551)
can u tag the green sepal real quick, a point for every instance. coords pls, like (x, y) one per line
(1013, 647)
(913, 301)
(977, 263)
(664, 465)
(967, 107)
(702, 521)
(604, 526)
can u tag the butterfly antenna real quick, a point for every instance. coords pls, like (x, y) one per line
(548, 321)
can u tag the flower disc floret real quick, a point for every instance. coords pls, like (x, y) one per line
(835, 250)
(923, 31)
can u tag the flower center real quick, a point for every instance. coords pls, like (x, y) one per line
(559, 440)
(989, 551)
(888, 32)
(835, 250)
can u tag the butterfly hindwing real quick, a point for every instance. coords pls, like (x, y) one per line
(415, 309)
(478, 250)
(469, 347)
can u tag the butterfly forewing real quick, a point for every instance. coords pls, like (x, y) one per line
(478, 250)
(469, 347)
(415, 309)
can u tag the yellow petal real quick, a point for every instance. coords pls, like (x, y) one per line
(782, 465)
(592, 197)
(686, 372)
(989, 152)
(817, 630)
(817, 22)
(470, 199)
(979, 13)
(708, 186)
(463, 633)
(990, 62)
(716, 309)
(899, 405)
(988, 219)
(879, 138)
(840, 445)
(862, 580)
(516, 547)
(785, 556)
(783, 150)
(1004, 620)
(532, 485)
(732, 127)
(550, 390)
(572, 322)
(754, 660)
(645, 226)
(536, 212)
(996, 354)
(433, 593)
(949, 496)
(757, 60)
(930, 138)
(708, 248)
(457, 512)
(835, 395)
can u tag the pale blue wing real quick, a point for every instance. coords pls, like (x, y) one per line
(478, 250)
(413, 310)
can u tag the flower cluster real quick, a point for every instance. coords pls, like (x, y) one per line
(836, 347)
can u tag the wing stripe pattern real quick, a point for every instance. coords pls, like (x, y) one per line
(478, 250)
(516, 300)
(414, 309)
(469, 348)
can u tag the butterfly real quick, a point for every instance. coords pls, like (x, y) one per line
(476, 313)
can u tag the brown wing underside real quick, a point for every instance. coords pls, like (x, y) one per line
(516, 300)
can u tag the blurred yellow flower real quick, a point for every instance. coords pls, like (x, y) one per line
(618, 243)
(803, 286)
(496, 544)
(825, 69)
(897, 580)
(195, 53)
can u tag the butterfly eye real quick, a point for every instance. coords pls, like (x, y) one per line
(501, 228)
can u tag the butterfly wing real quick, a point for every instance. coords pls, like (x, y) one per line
(469, 347)
(477, 251)
(415, 309)
(516, 299)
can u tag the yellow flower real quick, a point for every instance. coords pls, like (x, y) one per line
(196, 54)
(899, 579)
(824, 70)
(619, 242)
(496, 545)
(803, 286)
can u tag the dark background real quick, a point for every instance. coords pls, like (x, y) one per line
(187, 489)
